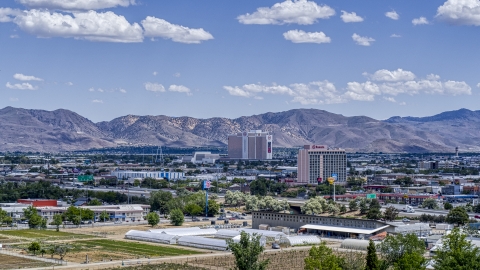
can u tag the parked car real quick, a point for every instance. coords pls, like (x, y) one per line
(220, 218)
(205, 219)
(406, 220)
(477, 216)
(195, 219)
(243, 214)
(275, 246)
(232, 218)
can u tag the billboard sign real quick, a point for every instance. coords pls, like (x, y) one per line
(206, 184)
(319, 179)
(85, 178)
(371, 196)
(331, 180)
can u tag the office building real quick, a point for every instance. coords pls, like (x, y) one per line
(126, 175)
(316, 163)
(255, 144)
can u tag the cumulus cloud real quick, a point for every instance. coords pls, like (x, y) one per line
(419, 21)
(154, 87)
(319, 92)
(350, 17)
(76, 4)
(395, 36)
(387, 84)
(299, 36)
(296, 11)
(91, 25)
(22, 77)
(122, 91)
(478, 85)
(13, 99)
(8, 14)
(21, 86)
(155, 27)
(391, 76)
(392, 15)
(177, 75)
(69, 83)
(460, 12)
(179, 89)
(363, 41)
(97, 101)
(155, 73)
(391, 99)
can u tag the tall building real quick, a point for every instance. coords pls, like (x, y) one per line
(255, 144)
(317, 162)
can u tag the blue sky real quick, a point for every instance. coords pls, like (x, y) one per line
(108, 58)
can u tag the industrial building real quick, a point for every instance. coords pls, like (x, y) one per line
(321, 225)
(316, 163)
(256, 144)
(130, 212)
(152, 174)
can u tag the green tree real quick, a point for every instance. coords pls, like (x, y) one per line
(159, 200)
(322, 258)
(430, 203)
(34, 247)
(176, 217)
(363, 206)
(411, 261)
(247, 252)
(457, 253)
(394, 248)
(374, 210)
(343, 209)
(35, 221)
(390, 213)
(353, 205)
(104, 216)
(447, 206)
(372, 259)
(153, 219)
(457, 215)
(94, 202)
(57, 221)
(29, 211)
(193, 209)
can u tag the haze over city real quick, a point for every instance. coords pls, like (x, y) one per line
(104, 59)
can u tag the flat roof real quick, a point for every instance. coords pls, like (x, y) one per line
(342, 229)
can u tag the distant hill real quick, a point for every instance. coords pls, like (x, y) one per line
(64, 130)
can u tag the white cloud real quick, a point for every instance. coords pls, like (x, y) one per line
(154, 87)
(155, 27)
(93, 26)
(97, 101)
(391, 99)
(403, 103)
(319, 92)
(176, 75)
(91, 89)
(122, 90)
(350, 17)
(363, 41)
(296, 11)
(299, 36)
(179, 89)
(22, 77)
(362, 91)
(392, 15)
(460, 12)
(14, 36)
(433, 77)
(478, 85)
(100, 90)
(419, 21)
(391, 76)
(69, 83)
(8, 14)
(21, 86)
(155, 73)
(13, 99)
(76, 4)
(395, 36)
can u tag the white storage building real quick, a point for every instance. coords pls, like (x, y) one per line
(202, 242)
(151, 237)
(301, 240)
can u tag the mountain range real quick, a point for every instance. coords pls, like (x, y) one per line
(63, 130)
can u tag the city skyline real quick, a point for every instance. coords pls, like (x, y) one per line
(105, 59)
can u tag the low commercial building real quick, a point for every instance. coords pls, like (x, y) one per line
(321, 225)
(125, 175)
(204, 158)
(129, 212)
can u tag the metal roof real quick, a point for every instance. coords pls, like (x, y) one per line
(342, 229)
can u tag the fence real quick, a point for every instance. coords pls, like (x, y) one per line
(16, 253)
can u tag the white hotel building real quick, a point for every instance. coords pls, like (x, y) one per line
(317, 162)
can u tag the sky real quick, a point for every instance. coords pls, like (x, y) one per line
(108, 58)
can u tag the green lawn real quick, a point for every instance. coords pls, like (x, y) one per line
(34, 234)
(133, 248)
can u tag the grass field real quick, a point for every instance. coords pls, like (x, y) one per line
(131, 248)
(12, 262)
(42, 234)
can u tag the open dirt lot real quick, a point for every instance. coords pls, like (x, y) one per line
(12, 262)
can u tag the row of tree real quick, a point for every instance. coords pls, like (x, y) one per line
(255, 203)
